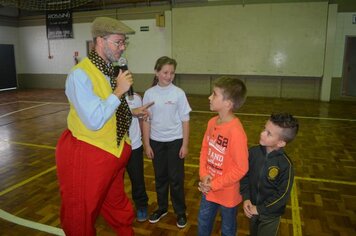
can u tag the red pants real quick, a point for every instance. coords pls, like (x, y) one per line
(91, 183)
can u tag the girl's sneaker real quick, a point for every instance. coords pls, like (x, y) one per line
(141, 215)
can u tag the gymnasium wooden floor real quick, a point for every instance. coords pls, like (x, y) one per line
(323, 200)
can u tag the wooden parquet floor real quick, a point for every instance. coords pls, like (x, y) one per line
(323, 200)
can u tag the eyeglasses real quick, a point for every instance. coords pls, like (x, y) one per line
(119, 43)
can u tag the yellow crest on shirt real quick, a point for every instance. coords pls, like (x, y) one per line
(273, 172)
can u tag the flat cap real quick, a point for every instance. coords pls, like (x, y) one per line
(103, 26)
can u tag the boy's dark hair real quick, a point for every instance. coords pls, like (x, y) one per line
(233, 90)
(160, 63)
(288, 123)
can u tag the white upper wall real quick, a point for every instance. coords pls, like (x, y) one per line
(144, 49)
(147, 46)
(259, 39)
(31, 46)
(344, 27)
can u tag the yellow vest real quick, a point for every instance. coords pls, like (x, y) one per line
(104, 138)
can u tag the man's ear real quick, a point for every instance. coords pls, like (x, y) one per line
(100, 40)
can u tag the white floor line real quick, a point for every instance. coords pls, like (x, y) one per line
(63, 103)
(268, 115)
(7, 103)
(31, 224)
(209, 112)
(27, 108)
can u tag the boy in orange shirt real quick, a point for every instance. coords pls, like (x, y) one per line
(223, 158)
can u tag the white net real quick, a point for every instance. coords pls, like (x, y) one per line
(44, 4)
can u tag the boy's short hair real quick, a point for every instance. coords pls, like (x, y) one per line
(288, 123)
(233, 90)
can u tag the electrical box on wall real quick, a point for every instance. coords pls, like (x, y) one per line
(160, 21)
(353, 18)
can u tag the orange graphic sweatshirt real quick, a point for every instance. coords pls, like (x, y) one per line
(224, 156)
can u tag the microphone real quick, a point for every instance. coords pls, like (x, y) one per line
(122, 64)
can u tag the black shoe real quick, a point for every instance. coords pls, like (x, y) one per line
(181, 221)
(157, 215)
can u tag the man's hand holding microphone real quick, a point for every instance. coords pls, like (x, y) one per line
(124, 83)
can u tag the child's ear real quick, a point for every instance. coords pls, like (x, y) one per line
(230, 104)
(281, 143)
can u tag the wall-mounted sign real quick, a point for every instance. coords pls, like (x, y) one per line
(144, 28)
(59, 24)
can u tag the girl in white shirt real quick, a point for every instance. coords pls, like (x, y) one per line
(165, 138)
